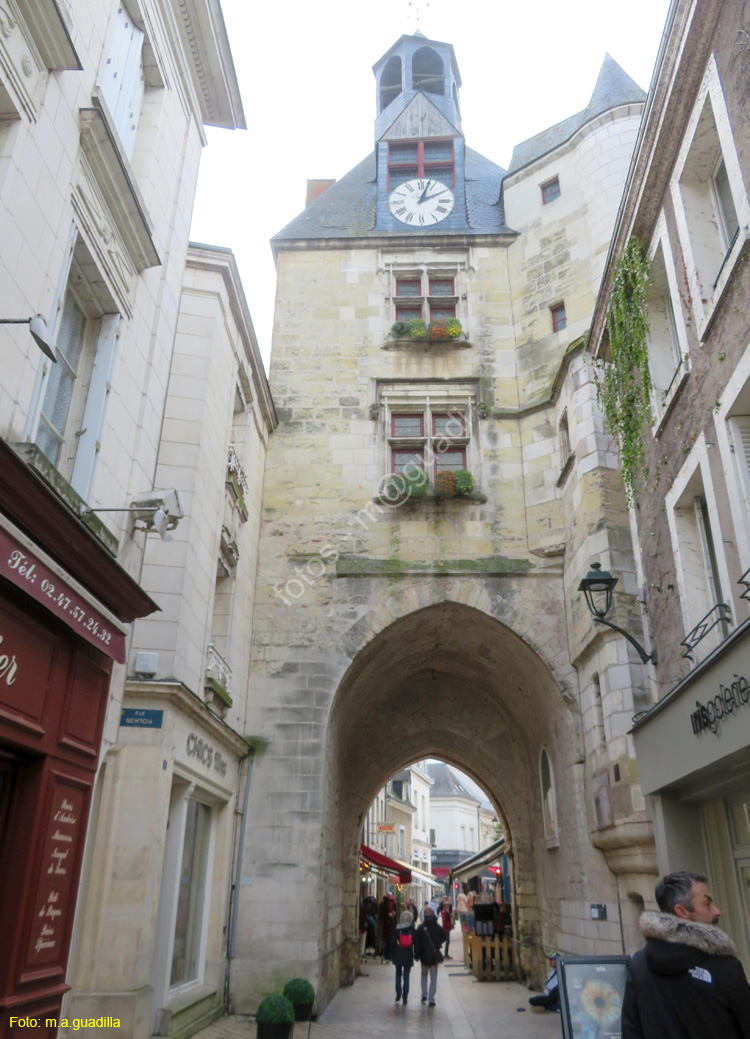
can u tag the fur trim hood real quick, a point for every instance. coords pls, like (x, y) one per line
(706, 938)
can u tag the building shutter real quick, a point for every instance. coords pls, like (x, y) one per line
(96, 406)
(122, 83)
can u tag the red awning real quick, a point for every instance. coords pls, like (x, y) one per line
(378, 859)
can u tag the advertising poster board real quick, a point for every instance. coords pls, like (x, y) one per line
(591, 994)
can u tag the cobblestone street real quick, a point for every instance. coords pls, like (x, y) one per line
(466, 1009)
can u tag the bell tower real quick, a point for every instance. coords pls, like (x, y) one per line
(418, 138)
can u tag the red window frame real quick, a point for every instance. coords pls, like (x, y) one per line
(405, 414)
(458, 449)
(550, 191)
(423, 167)
(449, 310)
(446, 295)
(559, 317)
(409, 281)
(449, 415)
(407, 313)
(418, 451)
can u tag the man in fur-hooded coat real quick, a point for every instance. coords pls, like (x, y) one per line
(687, 983)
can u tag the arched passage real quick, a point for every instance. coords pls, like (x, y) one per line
(450, 681)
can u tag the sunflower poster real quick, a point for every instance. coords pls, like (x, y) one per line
(591, 993)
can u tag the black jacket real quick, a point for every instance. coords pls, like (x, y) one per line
(430, 936)
(396, 954)
(686, 984)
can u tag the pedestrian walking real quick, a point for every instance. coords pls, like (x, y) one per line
(429, 938)
(446, 921)
(401, 954)
(462, 911)
(687, 983)
(388, 922)
(471, 918)
(411, 905)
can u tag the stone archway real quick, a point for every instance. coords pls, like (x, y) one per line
(452, 682)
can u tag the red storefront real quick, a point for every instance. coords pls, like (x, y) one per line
(65, 605)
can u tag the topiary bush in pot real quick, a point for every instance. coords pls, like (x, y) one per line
(274, 1018)
(301, 995)
(464, 482)
(399, 329)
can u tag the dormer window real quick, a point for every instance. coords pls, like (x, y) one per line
(427, 72)
(408, 160)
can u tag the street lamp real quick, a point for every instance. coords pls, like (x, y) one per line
(39, 333)
(598, 586)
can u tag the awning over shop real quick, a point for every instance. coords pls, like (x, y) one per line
(476, 863)
(420, 875)
(376, 858)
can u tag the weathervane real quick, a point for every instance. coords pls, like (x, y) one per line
(417, 7)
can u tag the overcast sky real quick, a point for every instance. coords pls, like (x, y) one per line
(305, 72)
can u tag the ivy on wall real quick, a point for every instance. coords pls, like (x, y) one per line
(624, 385)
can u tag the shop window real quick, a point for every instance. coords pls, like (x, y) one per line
(427, 72)
(667, 336)
(550, 191)
(549, 799)
(390, 81)
(433, 159)
(74, 392)
(191, 895)
(559, 317)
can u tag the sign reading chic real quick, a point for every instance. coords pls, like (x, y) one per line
(728, 700)
(205, 753)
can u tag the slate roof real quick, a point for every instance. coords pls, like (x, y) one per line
(446, 782)
(347, 209)
(614, 87)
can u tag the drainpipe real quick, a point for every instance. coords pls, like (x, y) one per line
(237, 881)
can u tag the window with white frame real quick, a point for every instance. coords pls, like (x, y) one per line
(697, 541)
(430, 289)
(711, 204)
(667, 337)
(429, 427)
(402, 842)
(73, 393)
(549, 798)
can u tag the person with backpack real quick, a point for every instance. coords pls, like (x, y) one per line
(429, 938)
(401, 954)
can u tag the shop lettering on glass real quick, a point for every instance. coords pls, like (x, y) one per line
(8, 665)
(55, 883)
(205, 753)
(728, 700)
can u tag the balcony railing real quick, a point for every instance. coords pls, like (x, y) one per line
(235, 470)
(718, 615)
(217, 667)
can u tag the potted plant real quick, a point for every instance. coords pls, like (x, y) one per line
(453, 328)
(445, 483)
(417, 329)
(400, 487)
(275, 1018)
(438, 330)
(464, 482)
(301, 995)
(399, 329)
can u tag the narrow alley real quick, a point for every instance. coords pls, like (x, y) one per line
(466, 1009)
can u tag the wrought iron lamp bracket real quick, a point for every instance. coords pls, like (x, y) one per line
(646, 658)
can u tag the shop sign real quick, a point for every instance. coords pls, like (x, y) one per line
(135, 717)
(55, 893)
(728, 700)
(206, 754)
(386, 827)
(24, 569)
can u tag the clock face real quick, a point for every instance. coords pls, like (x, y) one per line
(422, 202)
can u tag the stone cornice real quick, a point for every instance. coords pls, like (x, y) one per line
(204, 36)
(400, 241)
(191, 705)
(113, 175)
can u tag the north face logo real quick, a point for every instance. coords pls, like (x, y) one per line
(700, 974)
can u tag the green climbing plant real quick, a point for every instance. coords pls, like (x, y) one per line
(624, 388)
